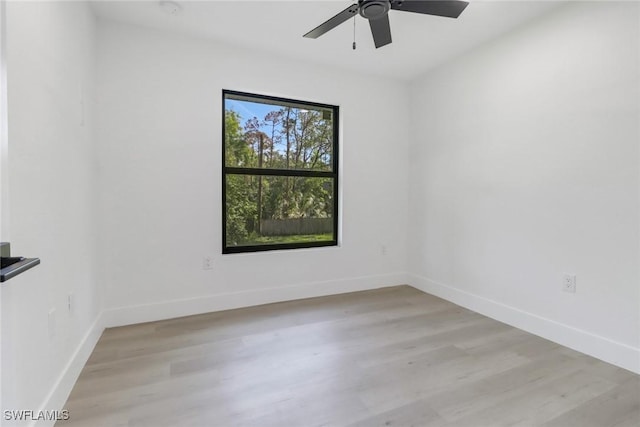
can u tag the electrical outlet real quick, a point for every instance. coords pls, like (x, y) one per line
(569, 283)
(207, 263)
(52, 323)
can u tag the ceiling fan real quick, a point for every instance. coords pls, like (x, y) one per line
(376, 11)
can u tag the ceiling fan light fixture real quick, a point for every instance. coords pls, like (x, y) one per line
(170, 7)
(374, 9)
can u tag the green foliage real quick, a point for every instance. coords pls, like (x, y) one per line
(298, 238)
(237, 152)
(241, 207)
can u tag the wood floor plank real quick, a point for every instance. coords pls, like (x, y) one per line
(617, 406)
(414, 414)
(387, 357)
(457, 403)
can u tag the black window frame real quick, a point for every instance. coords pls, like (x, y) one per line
(229, 170)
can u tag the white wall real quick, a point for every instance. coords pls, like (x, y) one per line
(4, 147)
(4, 165)
(51, 170)
(525, 166)
(159, 139)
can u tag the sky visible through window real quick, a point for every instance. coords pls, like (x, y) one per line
(248, 110)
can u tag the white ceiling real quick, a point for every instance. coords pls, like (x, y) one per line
(420, 42)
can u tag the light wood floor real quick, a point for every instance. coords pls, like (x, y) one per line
(389, 357)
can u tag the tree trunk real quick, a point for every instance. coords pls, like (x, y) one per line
(260, 153)
(287, 193)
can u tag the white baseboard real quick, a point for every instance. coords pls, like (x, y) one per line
(61, 389)
(186, 307)
(602, 348)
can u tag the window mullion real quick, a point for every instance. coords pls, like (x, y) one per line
(279, 172)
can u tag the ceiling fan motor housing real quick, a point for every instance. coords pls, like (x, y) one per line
(374, 9)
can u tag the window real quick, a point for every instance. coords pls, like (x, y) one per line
(280, 173)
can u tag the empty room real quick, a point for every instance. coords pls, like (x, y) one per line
(319, 213)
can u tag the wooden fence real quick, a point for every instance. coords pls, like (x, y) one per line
(288, 227)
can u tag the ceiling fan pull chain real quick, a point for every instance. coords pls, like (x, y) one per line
(354, 32)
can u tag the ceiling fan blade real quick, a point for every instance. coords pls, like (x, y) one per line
(381, 31)
(341, 17)
(447, 8)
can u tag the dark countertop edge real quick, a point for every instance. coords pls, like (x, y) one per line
(18, 268)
